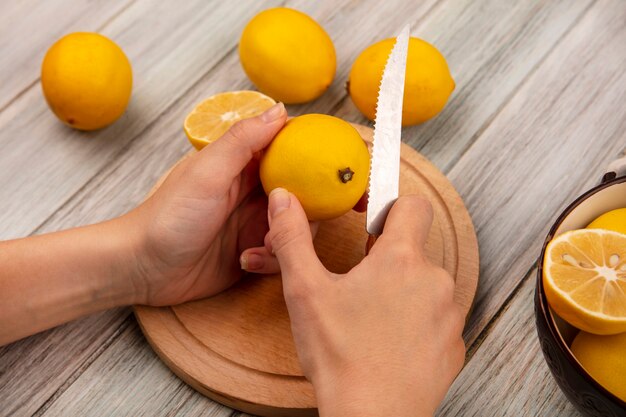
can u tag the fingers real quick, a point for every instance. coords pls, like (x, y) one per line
(409, 220)
(228, 156)
(290, 237)
(261, 260)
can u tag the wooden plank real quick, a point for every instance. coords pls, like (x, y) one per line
(128, 379)
(26, 34)
(113, 191)
(46, 361)
(508, 375)
(123, 184)
(549, 143)
(127, 175)
(490, 46)
(126, 180)
(356, 26)
(94, 202)
(26, 366)
(170, 46)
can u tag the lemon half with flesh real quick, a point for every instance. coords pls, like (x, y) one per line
(211, 118)
(584, 276)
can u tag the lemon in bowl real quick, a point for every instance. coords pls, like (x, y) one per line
(613, 220)
(87, 80)
(604, 358)
(556, 335)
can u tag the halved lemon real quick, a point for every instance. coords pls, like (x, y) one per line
(584, 276)
(211, 118)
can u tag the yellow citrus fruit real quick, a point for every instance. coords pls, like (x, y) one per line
(287, 55)
(613, 220)
(427, 85)
(86, 80)
(322, 160)
(604, 358)
(211, 118)
(584, 276)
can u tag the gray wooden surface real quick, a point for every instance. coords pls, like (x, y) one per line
(537, 113)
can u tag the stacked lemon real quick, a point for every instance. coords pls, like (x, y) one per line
(584, 276)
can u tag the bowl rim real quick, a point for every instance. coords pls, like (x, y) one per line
(543, 301)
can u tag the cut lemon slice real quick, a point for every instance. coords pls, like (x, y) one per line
(584, 275)
(211, 118)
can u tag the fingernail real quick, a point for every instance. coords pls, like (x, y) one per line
(279, 200)
(251, 262)
(273, 113)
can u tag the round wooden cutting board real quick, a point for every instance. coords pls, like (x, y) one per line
(237, 348)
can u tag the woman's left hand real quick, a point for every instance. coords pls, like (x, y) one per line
(209, 212)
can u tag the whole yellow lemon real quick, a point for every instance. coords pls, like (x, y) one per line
(427, 85)
(287, 55)
(87, 80)
(614, 220)
(604, 358)
(322, 160)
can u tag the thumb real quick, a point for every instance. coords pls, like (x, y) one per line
(290, 237)
(227, 157)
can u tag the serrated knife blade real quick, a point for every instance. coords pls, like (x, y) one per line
(385, 168)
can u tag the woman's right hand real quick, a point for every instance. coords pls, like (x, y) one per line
(383, 339)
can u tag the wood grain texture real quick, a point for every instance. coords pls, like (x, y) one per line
(123, 183)
(26, 34)
(48, 361)
(34, 369)
(522, 38)
(156, 47)
(491, 47)
(548, 144)
(508, 375)
(156, 391)
(558, 64)
(237, 346)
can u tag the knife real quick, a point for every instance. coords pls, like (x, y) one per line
(385, 170)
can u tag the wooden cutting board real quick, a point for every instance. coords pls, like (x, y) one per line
(237, 347)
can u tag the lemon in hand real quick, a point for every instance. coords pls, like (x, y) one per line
(287, 55)
(604, 358)
(322, 160)
(584, 275)
(427, 85)
(613, 220)
(86, 80)
(212, 117)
